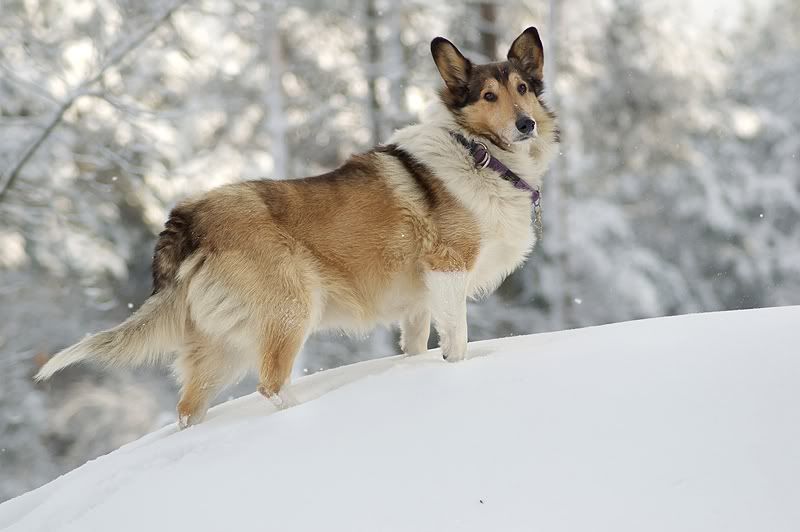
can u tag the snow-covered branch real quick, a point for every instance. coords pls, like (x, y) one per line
(117, 55)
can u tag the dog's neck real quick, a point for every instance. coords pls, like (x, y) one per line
(529, 159)
(431, 142)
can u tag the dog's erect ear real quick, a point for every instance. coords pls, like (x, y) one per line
(527, 50)
(452, 65)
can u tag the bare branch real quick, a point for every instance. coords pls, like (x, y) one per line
(121, 51)
(26, 84)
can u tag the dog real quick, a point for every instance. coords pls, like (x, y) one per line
(402, 234)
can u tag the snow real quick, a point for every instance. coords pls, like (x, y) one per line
(685, 423)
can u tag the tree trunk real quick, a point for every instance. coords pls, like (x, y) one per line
(488, 30)
(394, 69)
(276, 123)
(555, 222)
(373, 58)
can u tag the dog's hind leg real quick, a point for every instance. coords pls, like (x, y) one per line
(291, 308)
(202, 372)
(281, 345)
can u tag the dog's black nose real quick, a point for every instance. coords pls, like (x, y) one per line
(525, 125)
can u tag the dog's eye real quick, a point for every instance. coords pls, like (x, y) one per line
(490, 97)
(522, 88)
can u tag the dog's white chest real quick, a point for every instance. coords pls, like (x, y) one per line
(505, 243)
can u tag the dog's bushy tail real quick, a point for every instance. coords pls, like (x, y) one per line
(147, 337)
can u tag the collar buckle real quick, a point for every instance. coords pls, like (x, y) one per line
(487, 157)
(473, 147)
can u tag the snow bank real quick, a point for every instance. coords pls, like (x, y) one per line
(687, 423)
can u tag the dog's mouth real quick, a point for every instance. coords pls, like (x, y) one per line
(524, 137)
(507, 139)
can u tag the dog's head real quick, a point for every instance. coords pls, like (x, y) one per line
(498, 101)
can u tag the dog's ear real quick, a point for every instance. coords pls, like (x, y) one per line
(527, 51)
(452, 65)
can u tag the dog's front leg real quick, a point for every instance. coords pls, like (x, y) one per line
(448, 304)
(415, 329)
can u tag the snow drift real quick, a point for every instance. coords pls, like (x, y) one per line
(686, 423)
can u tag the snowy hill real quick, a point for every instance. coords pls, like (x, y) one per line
(680, 424)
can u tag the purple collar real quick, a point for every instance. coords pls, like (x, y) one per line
(483, 159)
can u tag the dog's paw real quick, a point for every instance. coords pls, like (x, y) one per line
(414, 347)
(185, 420)
(189, 414)
(454, 356)
(282, 400)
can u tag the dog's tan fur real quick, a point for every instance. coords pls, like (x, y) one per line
(404, 233)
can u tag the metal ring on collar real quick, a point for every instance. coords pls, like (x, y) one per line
(487, 156)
